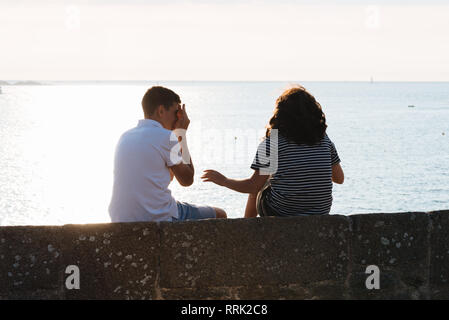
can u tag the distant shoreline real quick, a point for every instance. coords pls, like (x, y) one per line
(21, 83)
(157, 82)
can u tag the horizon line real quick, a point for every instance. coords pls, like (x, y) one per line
(44, 82)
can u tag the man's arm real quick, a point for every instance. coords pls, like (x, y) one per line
(183, 171)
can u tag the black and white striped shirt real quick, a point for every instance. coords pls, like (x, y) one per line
(302, 182)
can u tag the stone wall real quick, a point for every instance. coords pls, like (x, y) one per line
(260, 258)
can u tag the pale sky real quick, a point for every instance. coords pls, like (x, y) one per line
(224, 40)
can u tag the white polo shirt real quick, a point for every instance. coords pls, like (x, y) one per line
(141, 175)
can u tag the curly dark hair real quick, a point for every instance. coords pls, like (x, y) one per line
(298, 117)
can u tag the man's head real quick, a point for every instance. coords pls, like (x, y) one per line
(161, 104)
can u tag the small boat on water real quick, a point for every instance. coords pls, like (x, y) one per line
(411, 106)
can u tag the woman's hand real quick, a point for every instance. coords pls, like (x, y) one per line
(251, 185)
(214, 176)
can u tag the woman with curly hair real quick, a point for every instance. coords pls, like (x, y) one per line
(294, 166)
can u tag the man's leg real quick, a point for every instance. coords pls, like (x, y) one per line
(220, 213)
(187, 211)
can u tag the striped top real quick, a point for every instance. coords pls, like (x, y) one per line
(301, 182)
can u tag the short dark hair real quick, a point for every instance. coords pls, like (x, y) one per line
(298, 117)
(156, 96)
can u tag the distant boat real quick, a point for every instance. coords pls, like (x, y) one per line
(411, 106)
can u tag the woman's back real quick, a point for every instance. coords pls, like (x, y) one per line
(294, 166)
(302, 181)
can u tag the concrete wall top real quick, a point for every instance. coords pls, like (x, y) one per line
(316, 257)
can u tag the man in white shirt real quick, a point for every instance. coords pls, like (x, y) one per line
(147, 158)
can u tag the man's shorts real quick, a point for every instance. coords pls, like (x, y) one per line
(187, 211)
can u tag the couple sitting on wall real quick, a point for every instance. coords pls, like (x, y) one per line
(294, 166)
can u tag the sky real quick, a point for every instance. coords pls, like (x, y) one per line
(236, 40)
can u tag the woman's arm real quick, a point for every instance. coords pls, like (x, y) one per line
(337, 174)
(251, 185)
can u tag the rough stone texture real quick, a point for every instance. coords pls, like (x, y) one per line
(116, 261)
(315, 291)
(259, 292)
(277, 251)
(262, 258)
(439, 263)
(210, 293)
(194, 254)
(30, 258)
(251, 252)
(398, 244)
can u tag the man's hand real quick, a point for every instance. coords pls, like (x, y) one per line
(180, 130)
(183, 120)
(214, 176)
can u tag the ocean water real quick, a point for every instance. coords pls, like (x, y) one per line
(57, 144)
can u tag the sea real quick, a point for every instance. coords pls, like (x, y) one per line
(57, 144)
